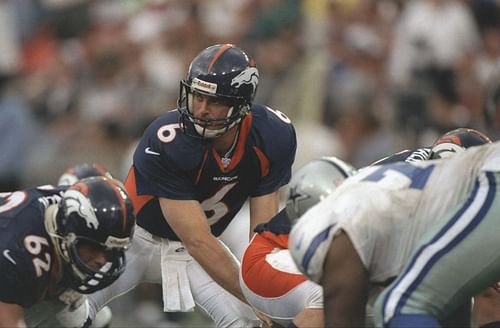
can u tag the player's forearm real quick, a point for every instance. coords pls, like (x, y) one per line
(340, 315)
(189, 222)
(345, 302)
(12, 323)
(343, 321)
(8, 323)
(218, 263)
(262, 209)
(11, 315)
(345, 285)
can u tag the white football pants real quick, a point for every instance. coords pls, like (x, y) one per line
(144, 265)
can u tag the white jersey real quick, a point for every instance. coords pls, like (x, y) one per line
(386, 209)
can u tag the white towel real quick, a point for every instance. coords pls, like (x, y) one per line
(177, 296)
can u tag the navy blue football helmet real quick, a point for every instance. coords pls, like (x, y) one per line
(456, 141)
(98, 212)
(226, 73)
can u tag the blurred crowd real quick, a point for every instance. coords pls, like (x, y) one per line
(360, 79)
(80, 79)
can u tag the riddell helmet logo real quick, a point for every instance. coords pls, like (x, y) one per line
(204, 86)
(249, 76)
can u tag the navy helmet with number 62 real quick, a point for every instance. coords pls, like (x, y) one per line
(225, 72)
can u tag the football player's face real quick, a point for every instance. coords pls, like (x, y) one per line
(93, 255)
(207, 107)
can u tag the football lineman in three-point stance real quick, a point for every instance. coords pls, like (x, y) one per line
(58, 243)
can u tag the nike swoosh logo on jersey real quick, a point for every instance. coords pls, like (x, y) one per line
(149, 151)
(8, 257)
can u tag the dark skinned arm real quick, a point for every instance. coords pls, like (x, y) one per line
(345, 285)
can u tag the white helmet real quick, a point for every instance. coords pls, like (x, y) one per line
(313, 182)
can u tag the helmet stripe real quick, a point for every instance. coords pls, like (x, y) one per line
(245, 126)
(116, 189)
(218, 54)
(264, 162)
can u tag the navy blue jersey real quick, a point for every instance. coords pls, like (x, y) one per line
(28, 257)
(278, 225)
(275, 232)
(171, 164)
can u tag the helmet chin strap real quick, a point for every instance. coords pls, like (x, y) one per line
(59, 241)
(209, 134)
(51, 227)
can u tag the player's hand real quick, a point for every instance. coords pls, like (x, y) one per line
(266, 322)
(496, 287)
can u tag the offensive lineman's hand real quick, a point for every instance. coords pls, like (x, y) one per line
(266, 322)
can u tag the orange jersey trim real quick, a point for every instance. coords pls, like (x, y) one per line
(130, 185)
(280, 240)
(260, 277)
(245, 127)
(264, 162)
(201, 168)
